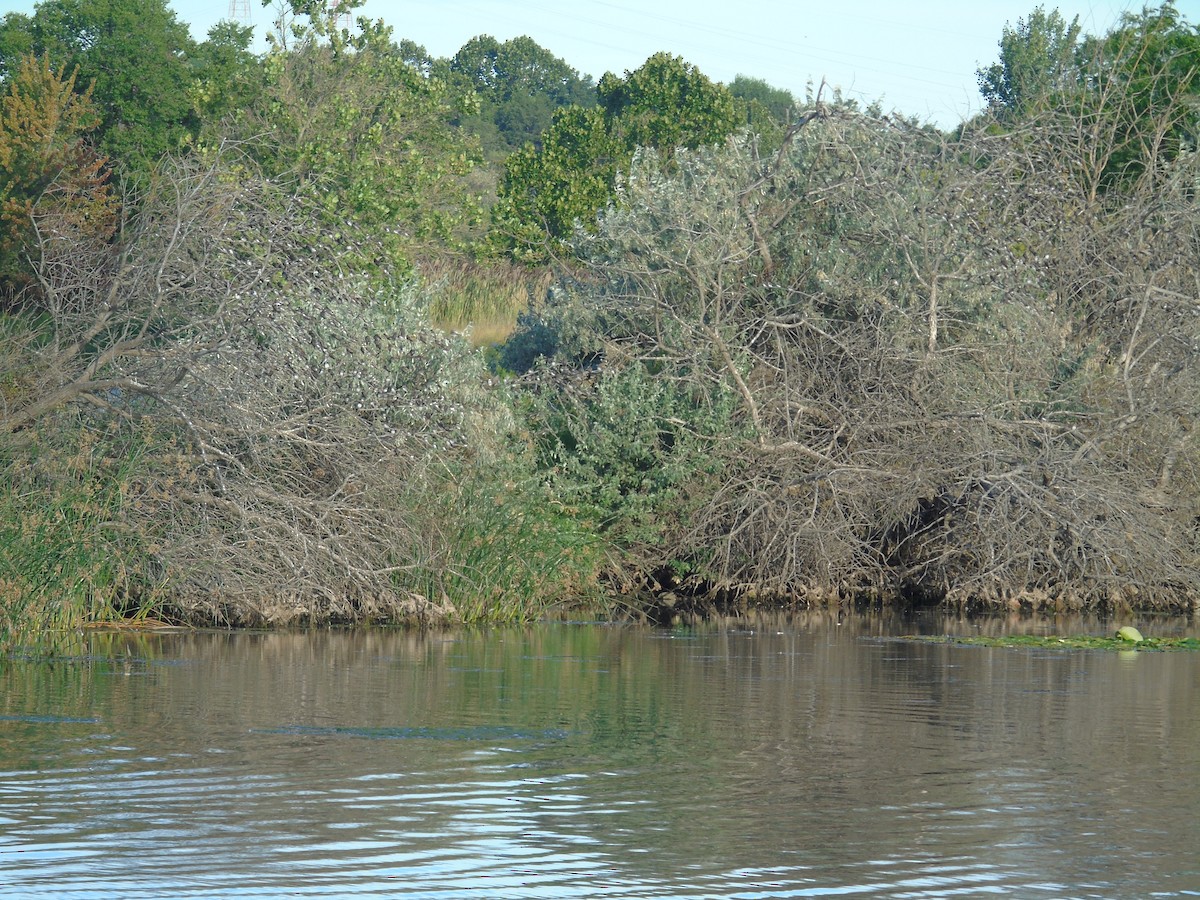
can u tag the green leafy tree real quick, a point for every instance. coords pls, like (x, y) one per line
(418, 57)
(16, 41)
(546, 191)
(133, 55)
(500, 71)
(665, 104)
(520, 86)
(522, 119)
(1133, 92)
(777, 102)
(764, 109)
(1037, 60)
(347, 117)
(46, 160)
(1142, 91)
(227, 78)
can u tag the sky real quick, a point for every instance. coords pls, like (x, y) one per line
(919, 58)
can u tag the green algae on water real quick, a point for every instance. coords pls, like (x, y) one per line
(1055, 642)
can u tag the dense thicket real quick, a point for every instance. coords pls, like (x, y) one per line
(239, 429)
(279, 404)
(793, 353)
(224, 399)
(886, 365)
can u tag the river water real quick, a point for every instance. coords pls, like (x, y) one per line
(800, 757)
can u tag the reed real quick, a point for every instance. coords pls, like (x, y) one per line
(503, 551)
(481, 299)
(66, 559)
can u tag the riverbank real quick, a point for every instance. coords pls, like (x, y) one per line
(696, 415)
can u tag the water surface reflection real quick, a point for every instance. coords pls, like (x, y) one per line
(799, 758)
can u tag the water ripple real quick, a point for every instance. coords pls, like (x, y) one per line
(624, 766)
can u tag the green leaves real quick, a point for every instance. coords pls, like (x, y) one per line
(1142, 92)
(763, 109)
(519, 67)
(45, 161)
(1037, 59)
(227, 77)
(665, 104)
(1127, 98)
(631, 450)
(546, 192)
(370, 135)
(134, 56)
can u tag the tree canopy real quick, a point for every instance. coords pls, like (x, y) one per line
(46, 161)
(133, 55)
(546, 190)
(1137, 87)
(763, 109)
(352, 121)
(227, 78)
(666, 103)
(1141, 86)
(1037, 60)
(520, 85)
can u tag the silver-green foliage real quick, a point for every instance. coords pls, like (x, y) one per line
(957, 371)
(292, 399)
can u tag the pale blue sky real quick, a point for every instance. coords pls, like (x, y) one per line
(918, 57)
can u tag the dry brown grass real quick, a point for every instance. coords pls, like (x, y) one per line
(481, 299)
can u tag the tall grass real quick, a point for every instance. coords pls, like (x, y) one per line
(65, 558)
(503, 551)
(481, 299)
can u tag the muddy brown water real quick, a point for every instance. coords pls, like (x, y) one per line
(794, 757)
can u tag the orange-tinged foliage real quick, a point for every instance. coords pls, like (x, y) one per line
(46, 164)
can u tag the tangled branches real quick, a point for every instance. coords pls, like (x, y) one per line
(962, 374)
(290, 404)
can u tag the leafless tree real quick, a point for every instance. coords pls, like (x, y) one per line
(966, 375)
(291, 406)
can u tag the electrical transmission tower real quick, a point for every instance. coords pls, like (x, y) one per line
(343, 19)
(239, 11)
